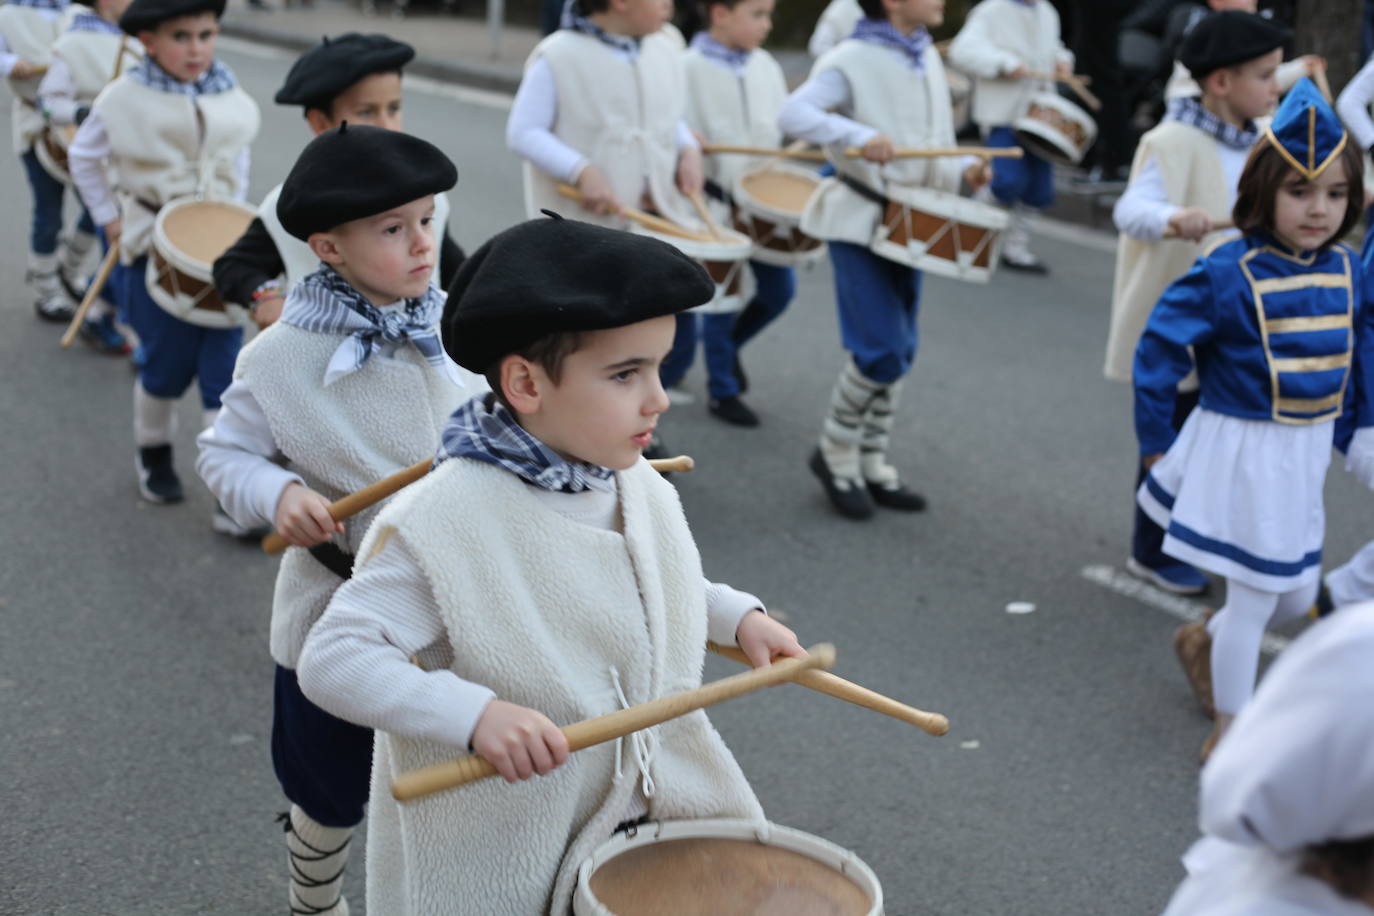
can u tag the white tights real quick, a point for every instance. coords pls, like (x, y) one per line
(1236, 633)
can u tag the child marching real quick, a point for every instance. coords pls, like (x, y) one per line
(1277, 326)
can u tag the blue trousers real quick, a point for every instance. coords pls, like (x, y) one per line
(1028, 180)
(879, 301)
(323, 763)
(47, 206)
(723, 334)
(176, 352)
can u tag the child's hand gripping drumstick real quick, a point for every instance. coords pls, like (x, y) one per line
(436, 778)
(369, 496)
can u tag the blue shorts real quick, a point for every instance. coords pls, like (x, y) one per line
(1028, 180)
(323, 763)
(879, 301)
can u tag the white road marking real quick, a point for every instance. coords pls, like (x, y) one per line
(484, 98)
(1184, 609)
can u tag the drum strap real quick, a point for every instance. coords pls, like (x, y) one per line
(334, 558)
(716, 192)
(864, 191)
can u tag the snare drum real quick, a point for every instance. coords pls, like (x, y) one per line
(768, 208)
(188, 235)
(51, 151)
(724, 260)
(940, 232)
(724, 867)
(1056, 129)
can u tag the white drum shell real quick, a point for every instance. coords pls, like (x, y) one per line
(1070, 150)
(813, 847)
(181, 304)
(733, 249)
(954, 211)
(785, 220)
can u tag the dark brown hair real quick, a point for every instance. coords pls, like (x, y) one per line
(1346, 865)
(548, 353)
(873, 9)
(1266, 170)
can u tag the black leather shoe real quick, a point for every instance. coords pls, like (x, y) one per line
(733, 411)
(849, 498)
(740, 377)
(897, 496)
(157, 478)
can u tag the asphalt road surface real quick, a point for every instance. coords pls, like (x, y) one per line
(135, 684)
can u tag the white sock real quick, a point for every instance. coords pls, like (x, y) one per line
(207, 417)
(154, 418)
(1237, 630)
(316, 856)
(843, 427)
(877, 432)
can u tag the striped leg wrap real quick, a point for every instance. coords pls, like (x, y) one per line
(316, 857)
(877, 431)
(843, 429)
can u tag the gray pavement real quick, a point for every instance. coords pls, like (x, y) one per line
(135, 682)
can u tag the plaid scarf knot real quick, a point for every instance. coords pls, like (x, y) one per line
(882, 32)
(1190, 111)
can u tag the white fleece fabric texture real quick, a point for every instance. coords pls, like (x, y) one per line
(340, 438)
(554, 605)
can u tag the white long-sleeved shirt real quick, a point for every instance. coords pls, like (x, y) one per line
(239, 458)
(1143, 211)
(86, 159)
(358, 653)
(1353, 105)
(529, 130)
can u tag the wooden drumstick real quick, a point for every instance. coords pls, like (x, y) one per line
(369, 496)
(580, 735)
(101, 276)
(853, 152)
(700, 206)
(932, 723)
(1079, 85)
(647, 220)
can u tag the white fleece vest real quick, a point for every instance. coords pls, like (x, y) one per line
(30, 36)
(911, 107)
(340, 438)
(90, 56)
(300, 260)
(1193, 177)
(996, 33)
(739, 110)
(541, 608)
(622, 115)
(165, 145)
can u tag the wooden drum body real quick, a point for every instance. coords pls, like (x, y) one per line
(941, 233)
(768, 208)
(188, 235)
(1055, 129)
(724, 260)
(51, 150)
(724, 867)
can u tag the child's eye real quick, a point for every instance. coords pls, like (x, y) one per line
(392, 230)
(624, 376)
(426, 221)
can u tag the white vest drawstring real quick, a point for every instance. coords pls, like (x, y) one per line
(643, 742)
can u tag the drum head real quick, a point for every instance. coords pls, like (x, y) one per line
(781, 190)
(710, 876)
(204, 230)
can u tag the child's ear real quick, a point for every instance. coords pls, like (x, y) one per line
(520, 384)
(325, 248)
(145, 38)
(319, 121)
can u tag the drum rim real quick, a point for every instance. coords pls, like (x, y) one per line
(735, 246)
(815, 847)
(1055, 100)
(202, 270)
(750, 203)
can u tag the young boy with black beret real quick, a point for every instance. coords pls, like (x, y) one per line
(175, 125)
(350, 386)
(354, 78)
(550, 575)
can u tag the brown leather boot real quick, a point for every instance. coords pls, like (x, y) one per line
(1219, 728)
(1193, 646)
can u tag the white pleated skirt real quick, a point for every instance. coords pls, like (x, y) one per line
(1243, 498)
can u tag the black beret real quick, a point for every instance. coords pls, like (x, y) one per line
(329, 68)
(1228, 38)
(146, 15)
(357, 171)
(555, 275)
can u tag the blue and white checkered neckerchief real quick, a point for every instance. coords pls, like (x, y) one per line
(55, 6)
(883, 32)
(218, 78)
(90, 22)
(326, 303)
(484, 430)
(1190, 111)
(714, 50)
(573, 19)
